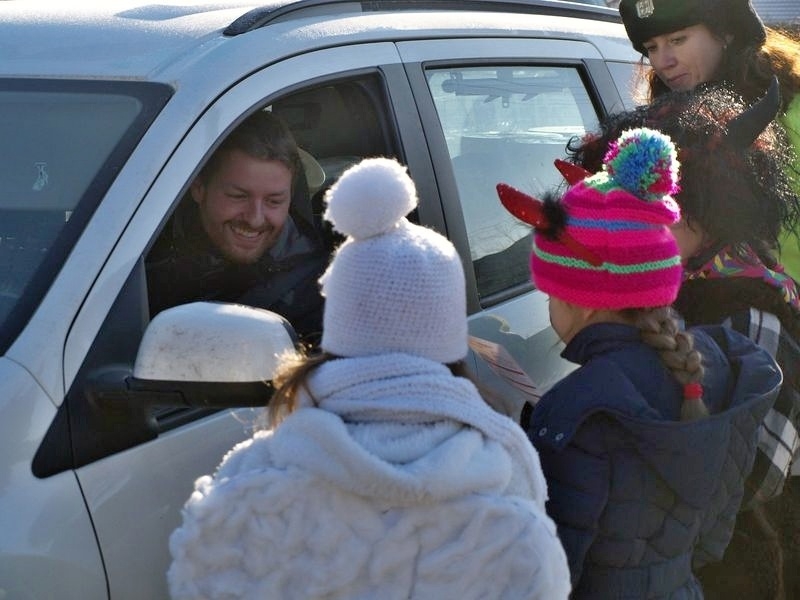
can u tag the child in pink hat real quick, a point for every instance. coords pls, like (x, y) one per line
(646, 444)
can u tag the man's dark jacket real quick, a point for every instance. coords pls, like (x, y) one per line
(185, 266)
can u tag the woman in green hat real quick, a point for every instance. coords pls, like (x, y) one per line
(692, 42)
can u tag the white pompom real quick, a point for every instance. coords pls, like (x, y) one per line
(370, 198)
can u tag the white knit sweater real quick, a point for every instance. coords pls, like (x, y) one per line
(400, 483)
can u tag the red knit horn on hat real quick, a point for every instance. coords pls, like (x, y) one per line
(530, 210)
(571, 173)
(524, 207)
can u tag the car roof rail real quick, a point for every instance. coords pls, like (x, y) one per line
(262, 16)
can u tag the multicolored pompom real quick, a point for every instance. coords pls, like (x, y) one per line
(644, 162)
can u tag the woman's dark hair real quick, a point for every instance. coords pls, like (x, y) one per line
(735, 195)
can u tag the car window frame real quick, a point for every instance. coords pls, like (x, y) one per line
(127, 317)
(602, 92)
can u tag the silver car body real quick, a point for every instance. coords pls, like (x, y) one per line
(100, 530)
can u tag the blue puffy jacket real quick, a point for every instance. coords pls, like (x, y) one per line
(641, 498)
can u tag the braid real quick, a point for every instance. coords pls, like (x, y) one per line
(676, 347)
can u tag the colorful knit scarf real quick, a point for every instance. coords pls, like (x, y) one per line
(745, 263)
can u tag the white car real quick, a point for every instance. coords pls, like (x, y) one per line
(107, 111)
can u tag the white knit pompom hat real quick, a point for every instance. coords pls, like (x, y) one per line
(392, 286)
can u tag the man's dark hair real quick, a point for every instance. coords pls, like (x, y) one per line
(262, 135)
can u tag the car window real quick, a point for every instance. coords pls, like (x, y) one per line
(337, 123)
(631, 85)
(62, 144)
(506, 124)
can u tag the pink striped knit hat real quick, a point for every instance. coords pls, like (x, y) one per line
(607, 243)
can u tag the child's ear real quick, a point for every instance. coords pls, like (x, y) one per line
(587, 315)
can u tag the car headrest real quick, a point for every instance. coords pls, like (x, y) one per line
(315, 175)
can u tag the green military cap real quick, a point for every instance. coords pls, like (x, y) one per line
(644, 19)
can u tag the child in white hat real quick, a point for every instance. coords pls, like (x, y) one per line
(385, 474)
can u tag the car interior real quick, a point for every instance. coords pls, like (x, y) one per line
(338, 124)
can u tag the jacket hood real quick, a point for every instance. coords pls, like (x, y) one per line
(400, 465)
(755, 380)
(741, 384)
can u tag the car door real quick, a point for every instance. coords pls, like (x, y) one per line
(502, 110)
(139, 464)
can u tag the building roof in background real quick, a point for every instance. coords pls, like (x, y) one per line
(778, 11)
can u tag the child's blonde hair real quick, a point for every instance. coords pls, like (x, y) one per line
(660, 330)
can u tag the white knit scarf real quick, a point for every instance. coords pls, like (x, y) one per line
(404, 388)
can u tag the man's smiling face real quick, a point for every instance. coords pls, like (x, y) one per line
(244, 205)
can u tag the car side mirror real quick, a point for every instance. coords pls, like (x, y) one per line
(202, 355)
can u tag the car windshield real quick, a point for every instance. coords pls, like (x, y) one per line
(61, 144)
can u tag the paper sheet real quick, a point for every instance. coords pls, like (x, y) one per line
(504, 365)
